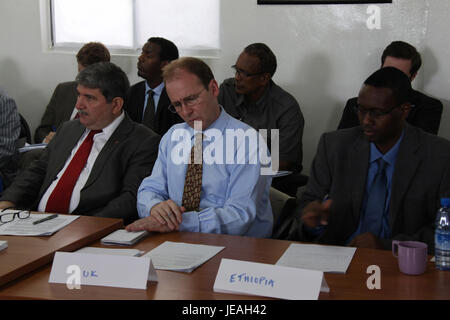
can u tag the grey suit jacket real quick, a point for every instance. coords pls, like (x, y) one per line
(110, 191)
(421, 177)
(58, 110)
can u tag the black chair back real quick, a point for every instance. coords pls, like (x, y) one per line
(25, 132)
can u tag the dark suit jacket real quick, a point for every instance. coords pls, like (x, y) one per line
(164, 119)
(111, 188)
(421, 177)
(58, 110)
(425, 113)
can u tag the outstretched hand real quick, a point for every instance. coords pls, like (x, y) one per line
(316, 213)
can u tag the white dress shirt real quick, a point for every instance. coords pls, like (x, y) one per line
(74, 113)
(100, 140)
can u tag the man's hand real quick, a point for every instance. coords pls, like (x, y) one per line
(168, 213)
(316, 213)
(6, 204)
(366, 240)
(49, 137)
(149, 224)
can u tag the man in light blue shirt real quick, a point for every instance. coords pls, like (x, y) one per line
(234, 196)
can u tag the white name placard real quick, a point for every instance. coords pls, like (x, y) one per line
(77, 269)
(269, 280)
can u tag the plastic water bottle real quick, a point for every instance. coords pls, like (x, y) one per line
(442, 236)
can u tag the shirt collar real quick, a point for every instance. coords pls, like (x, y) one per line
(157, 90)
(240, 100)
(390, 156)
(220, 124)
(110, 128)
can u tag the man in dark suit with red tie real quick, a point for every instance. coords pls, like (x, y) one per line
(148, 101)
(94, 164)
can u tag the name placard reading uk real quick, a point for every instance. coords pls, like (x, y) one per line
(77, 269)
(269, 280)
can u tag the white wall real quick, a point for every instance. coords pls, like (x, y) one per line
(324, 54)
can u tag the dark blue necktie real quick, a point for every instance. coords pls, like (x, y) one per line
(376, 202)
(149, 113)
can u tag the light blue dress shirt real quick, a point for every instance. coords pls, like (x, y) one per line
(156, 95)
(390, 158)
(234, 196)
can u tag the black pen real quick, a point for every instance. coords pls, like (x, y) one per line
(53, 216)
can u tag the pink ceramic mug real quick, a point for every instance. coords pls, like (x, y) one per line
(412, 256)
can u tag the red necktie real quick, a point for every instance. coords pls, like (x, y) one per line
(59, 200)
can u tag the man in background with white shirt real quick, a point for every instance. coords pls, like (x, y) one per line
(148, 102)
(94, 164)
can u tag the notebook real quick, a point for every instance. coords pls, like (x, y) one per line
(3, 245)
(124, 238)
(115, 252)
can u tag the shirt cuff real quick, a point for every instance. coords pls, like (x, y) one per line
(144, 208)
(191, 222)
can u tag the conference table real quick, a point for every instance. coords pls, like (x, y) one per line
(198, 285)
(26, 254)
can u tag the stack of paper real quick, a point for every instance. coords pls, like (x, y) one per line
(3, 245)
(114, 252)
(317, 257)
(123, 237)
(29, 147)
(183, 257)
(281, 174)
(25, 227)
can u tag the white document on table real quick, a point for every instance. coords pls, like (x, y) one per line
(281, 174)
(179, 256)
(124, 237)
(29, 147)
(316, 257)
(114, 252)
(25, 227)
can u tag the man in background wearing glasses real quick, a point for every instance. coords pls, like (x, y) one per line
(378, 181)
(425, 111)
(190, 192)
(254, 98)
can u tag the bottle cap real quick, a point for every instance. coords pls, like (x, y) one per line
(445, 202)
